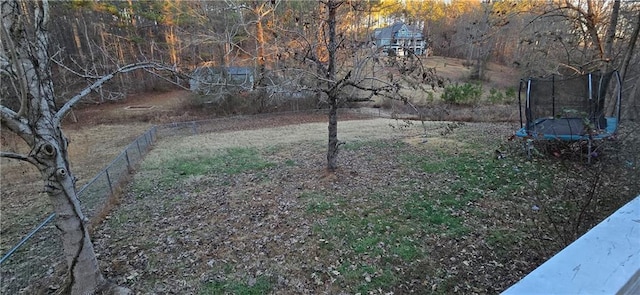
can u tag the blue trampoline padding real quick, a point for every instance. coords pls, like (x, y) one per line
(567, 129)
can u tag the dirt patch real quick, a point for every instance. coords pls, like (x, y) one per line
(152, 108)
(138, 108)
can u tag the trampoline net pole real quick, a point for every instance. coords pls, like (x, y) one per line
(590, 107)
(527, 109)
(590, 87)
(619, 95)
(553, 95)
(520, 103)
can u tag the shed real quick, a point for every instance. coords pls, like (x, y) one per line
(205, 78)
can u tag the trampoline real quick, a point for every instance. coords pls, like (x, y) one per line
(569, 109)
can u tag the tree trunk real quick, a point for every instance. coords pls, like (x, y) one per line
(84, 276)
(611, 31)
(76, 40)
(628, 55)
(259, 83)
(172, 42)
(610, 106)
(633, 106)
(24, 47)
(171, 38)
(631, 112)
(332, 148)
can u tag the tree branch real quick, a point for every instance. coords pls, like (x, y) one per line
(168, 80)
(18, 66)
(128, 68)
(16, 156)
(60, 64)
(17, 124)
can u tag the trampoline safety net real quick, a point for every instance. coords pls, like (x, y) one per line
(580, 99)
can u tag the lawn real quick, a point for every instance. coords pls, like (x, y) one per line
(422, 208)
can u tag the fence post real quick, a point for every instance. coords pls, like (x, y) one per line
(146, 141)
(126, 156)
(138, 145)
(106, 171)
(153, 133)
(194, 127)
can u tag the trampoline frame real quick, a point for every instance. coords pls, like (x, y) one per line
(568, 128)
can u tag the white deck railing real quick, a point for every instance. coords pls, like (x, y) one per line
(605, 260)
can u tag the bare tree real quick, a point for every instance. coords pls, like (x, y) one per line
(338, 68)
(577, 36)
(256, 26)
(334, 85)
(624, 71)
(25, 65)
(607, 47)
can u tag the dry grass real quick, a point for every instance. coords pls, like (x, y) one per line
(315, 133)
(451, 71)
(497, 76)
(23, 204)
(413, 208)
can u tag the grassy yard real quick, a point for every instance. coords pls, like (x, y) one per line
(413, 208)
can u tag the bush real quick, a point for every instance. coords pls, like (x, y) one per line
(498, 97)
(465, 94)
(510, 92)
(227, 102)
(495, 96)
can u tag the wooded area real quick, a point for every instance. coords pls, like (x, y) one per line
(55, 54)
(276, 38)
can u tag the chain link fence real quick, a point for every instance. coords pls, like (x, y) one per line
(37, 256)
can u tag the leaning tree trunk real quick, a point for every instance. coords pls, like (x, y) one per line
(49, 153)
(24, 60)
(606, 54)
(630, 51)
(632, 107)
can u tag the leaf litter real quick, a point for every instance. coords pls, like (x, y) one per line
(293, 228)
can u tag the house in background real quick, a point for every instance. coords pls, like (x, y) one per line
(400, 39)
